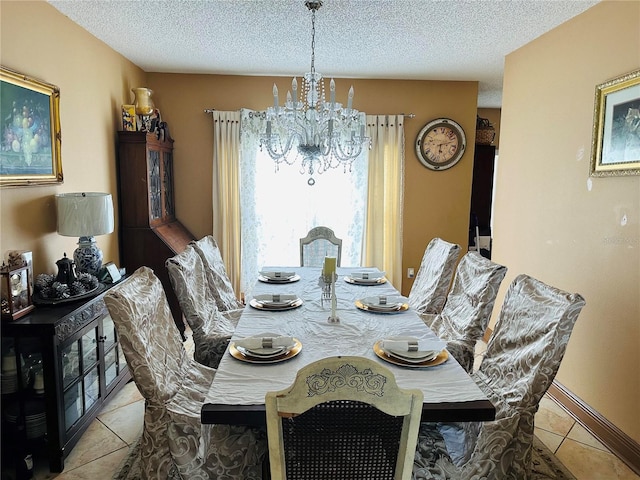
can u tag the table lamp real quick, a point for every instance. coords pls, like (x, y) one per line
(85, 215)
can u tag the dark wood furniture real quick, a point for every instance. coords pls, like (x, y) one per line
(74, 348)
(255, 415)
(482, 190)
(149, 230)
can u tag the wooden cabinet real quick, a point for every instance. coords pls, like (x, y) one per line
(149, 231)
(482, 190)
(61, 363)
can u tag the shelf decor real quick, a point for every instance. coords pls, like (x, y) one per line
(615, 147)
(31, 142)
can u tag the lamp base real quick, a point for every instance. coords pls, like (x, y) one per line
(88, 257)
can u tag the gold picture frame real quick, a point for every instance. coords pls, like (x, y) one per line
(615, 149)
(30, 145)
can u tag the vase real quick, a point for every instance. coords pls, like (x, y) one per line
(142, 101)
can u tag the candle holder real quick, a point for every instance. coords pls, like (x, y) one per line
(333, 318)
(325, 287)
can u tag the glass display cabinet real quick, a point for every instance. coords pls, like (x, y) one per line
(60, 364)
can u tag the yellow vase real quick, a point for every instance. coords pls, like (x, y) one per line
(143, 102)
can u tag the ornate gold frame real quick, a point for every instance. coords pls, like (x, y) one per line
(615, 148)
(30, 146)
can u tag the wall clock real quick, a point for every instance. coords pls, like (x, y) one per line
(440, 144)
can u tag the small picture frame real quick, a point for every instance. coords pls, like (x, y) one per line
(129, 118)
(113, 274)
(616, 127)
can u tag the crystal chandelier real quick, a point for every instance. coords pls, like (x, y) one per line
(326, 134)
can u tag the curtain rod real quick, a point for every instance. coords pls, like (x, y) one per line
(408, 115)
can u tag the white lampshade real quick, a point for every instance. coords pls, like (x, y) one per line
(84, 214)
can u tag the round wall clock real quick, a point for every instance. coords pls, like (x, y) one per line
(440, 144)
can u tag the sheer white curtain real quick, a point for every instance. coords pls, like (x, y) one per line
(383, 226)
(278, 207)
(226, 192)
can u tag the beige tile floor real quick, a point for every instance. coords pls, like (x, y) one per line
(106, 442)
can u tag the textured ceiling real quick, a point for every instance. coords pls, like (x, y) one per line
(399, 39)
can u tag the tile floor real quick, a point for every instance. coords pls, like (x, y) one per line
(106, 442)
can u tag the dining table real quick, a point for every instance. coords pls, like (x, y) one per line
(236, 396)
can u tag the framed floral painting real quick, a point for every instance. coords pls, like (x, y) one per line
(616, 127)
(31, 141)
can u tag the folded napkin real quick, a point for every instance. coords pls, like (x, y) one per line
(382, 302)
(256, 343)
(275, 300)
(277, 275)
(370, 276)
(413, 345)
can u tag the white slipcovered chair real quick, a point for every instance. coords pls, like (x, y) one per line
(174, 443)
(212, 329)
(521, 361)
(320, 242)
(470, 301)
(343, 418)
(225, 298)
(429, 290)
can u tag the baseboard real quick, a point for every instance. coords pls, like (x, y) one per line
(620, 444)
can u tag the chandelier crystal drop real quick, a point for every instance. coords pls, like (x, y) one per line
(325, 134)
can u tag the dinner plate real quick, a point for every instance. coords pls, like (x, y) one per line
(265, 279)
(257, 304)
(401, 307)
(362, 281)
(421, 357)
(281, 357)
(388, 357)
(262, 352)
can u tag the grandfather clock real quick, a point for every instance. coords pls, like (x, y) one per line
(149, 230)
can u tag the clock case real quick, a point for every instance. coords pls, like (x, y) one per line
(462, 143)
(15, 291)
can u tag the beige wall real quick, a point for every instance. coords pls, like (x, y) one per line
(436, 203)
(554, 222)
(548, 222)
(38, 41)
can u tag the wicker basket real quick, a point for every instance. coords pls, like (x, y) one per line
(485, 133)
(485, 136)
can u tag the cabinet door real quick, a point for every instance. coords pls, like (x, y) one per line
(155, 187)
(114, 362)
(81, 376)
(167, 185)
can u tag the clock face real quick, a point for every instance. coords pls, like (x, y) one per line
(440, 144)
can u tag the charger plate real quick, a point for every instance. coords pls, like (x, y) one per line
(360, 281)
(247, 357)
(380, 352)
(293, 279)
(370, 308)
(257, 304)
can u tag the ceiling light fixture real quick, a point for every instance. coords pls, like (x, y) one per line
(326, 134)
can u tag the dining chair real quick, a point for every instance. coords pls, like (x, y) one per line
(225, 298)
(470, 301)
(320, 242)
(522, 358)
(212, 329)
(174, 443)
(343, 417)
(429, 290)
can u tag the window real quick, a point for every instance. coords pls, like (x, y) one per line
(279, 207)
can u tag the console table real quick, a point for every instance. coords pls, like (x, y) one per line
(67, 363)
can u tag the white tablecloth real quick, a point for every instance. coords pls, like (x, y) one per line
(240, 383)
